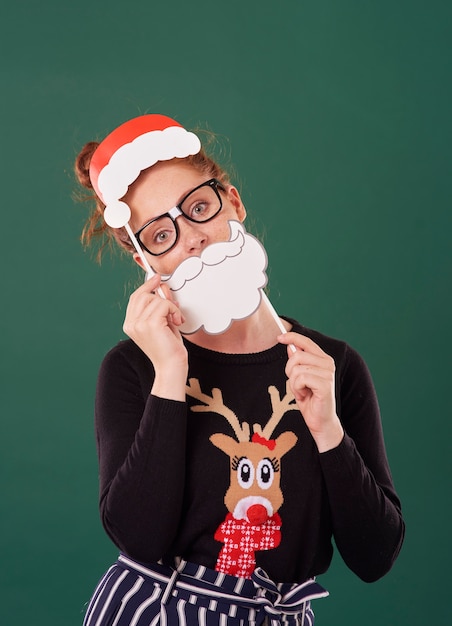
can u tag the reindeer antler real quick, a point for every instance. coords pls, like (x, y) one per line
(215, 404)
(280, 406)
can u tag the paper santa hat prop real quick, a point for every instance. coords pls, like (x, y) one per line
(127, 151)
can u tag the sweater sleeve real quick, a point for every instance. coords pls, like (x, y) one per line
(141, 449)
(367, 522)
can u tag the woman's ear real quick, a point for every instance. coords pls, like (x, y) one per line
(138, 260)
(236, 201)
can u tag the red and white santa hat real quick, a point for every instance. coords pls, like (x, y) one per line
(130, 149)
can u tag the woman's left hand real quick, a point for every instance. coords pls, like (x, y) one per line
(311, 374)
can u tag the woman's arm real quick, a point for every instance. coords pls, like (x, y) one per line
(141, 448)
(339, 405)
(141, 427)
(367, 521)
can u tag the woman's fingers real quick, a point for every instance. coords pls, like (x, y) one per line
(317, 381)
(308, 371)
(147, 309)
(308, 357)
(311, 374)
(150, 310)
(301, 342)
(310, 360)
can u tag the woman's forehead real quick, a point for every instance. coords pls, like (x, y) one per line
(161, 187)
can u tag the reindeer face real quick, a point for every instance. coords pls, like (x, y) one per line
(254, 492)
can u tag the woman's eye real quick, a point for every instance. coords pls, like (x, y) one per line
(161, 237)
(199, 209)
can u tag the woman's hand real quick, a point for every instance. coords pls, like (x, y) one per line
(311, 374)
(152, 322)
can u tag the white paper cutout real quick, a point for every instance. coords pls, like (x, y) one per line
(117, 214)
(222, 285)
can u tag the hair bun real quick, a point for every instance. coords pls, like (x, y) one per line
(82, 164)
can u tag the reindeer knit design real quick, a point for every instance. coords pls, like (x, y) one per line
(254, 493)
(242, 540)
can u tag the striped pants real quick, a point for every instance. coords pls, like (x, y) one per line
(132, 594)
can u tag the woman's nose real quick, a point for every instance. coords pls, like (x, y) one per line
(192, 236)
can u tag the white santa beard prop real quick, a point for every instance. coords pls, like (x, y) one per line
(222, 285)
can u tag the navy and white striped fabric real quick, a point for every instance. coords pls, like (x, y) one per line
(132, 594)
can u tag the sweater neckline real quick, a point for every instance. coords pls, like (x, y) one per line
(269, 355)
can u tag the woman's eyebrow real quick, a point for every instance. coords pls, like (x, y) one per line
(150, 219)
(181, 198)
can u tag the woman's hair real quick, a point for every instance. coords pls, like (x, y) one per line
(96, 230)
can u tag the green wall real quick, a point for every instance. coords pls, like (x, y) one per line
(338, 119)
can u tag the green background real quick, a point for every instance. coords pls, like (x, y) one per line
(337, 117)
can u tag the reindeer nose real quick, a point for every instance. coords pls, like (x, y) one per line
(257, 514)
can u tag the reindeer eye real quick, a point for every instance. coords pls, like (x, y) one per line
(245, 473)
(265, 473)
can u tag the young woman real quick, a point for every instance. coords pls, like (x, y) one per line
(228, 460)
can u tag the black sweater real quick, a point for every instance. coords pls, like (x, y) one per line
(163, 480)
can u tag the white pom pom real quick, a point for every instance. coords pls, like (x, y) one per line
(117, 214)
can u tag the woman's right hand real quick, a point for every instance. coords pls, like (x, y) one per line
(152, 323)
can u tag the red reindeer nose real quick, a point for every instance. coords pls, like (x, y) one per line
(257, 514)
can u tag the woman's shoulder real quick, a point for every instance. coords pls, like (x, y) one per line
(342, 352)
(126, 348)
(125, 355)
(323, 340)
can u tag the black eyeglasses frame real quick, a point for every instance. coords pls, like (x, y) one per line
(214, 184)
